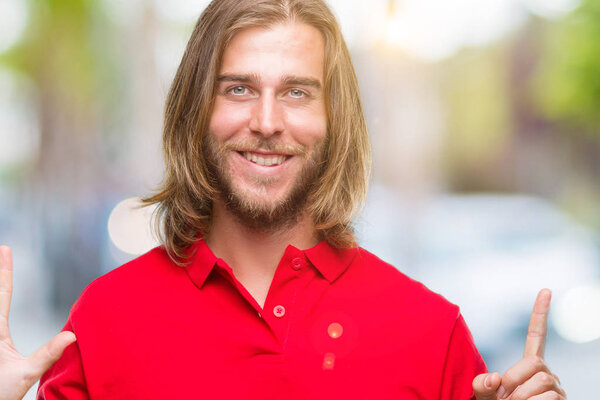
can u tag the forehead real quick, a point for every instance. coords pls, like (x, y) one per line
(284, 49)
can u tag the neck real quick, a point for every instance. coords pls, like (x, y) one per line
(255, 252)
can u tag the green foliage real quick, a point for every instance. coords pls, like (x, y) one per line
(567, 83)
(62, 48)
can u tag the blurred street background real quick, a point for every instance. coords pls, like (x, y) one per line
(485, 125)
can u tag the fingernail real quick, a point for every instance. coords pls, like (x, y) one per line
(486, 382)
(501, 392)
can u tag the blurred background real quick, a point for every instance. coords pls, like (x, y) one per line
(485, 126)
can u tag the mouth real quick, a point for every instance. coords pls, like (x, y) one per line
(267, 160)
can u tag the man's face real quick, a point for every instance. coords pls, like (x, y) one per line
(265, 144)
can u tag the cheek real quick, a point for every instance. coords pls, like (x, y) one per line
(309, 128)
(225, 120)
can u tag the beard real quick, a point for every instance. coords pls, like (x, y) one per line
(257, 212)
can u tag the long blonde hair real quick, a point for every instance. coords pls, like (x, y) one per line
(185, 198)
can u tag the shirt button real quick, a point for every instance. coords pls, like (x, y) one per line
(279, 311)
(297, 263)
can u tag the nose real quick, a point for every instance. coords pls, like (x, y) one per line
(267, 116)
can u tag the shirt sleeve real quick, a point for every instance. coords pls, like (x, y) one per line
(463, 363)
(65, 379)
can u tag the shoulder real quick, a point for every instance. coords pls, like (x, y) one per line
(142, 269)
(146, 274)
(384, 280)
(399, 313)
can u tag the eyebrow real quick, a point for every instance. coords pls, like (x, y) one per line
(287, 80)
(302, 81)
(249, 78)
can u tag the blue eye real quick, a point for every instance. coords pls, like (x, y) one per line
(238, 90)
(296, 93)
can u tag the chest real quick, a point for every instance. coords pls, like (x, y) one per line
(308, 340)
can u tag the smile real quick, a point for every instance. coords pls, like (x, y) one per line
(264, 159)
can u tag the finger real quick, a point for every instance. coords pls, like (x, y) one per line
(47, 355)
(540, 383)
(536, 334)
(549, 396)
(520, 373)
(557, 378)
(5, 290)
(486, 385)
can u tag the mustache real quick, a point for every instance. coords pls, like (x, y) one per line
(267, 145)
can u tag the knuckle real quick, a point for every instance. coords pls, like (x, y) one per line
(554, 396)
(509, 378)
(517, 396)
(556, 378)
(545, 379)
(535, 333)
(537, 363)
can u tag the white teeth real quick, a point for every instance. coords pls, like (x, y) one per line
(266, 161)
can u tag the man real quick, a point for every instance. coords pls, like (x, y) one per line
(259, 291)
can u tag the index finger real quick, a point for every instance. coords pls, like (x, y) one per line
(536, 333)
(5, 289)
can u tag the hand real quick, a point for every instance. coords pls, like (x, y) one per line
(530, 378)
(17, 373)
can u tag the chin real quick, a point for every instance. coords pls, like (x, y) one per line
(267, 211)
(263, 204)
(267, 194)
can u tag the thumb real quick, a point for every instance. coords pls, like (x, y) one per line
(486, 385)
(47, 355)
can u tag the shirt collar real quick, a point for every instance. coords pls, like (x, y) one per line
(331, 262)
(202, 262)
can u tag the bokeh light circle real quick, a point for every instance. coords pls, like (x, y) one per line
(335, 330)
(130, 227)
(576, 314)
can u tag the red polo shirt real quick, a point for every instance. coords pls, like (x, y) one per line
(336, 324)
